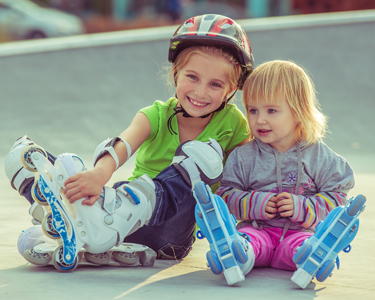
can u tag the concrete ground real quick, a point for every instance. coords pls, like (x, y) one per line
(64, 99)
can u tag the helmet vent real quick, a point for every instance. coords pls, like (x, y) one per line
(209, 17)
(189, 22)
(225, 25)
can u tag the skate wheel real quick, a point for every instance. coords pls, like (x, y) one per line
(214, 263)
(125, 258)
(325, 270)
(302, 253)
(26, 154)
(239, 252)
(201, 192)
(147, 258)
(60, 264)
(99, 258)
(40, 259)
(37, 195)
(356, 205)
(48, 228)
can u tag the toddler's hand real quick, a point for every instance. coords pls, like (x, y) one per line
(285, 204)
(271, 208)
(85, 184)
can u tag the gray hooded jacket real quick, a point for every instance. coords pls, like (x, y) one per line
(318, 179)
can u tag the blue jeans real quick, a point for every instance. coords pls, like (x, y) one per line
(171, 227)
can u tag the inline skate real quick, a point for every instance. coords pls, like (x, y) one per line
(318, 254)
(97, 230)
(230, 252)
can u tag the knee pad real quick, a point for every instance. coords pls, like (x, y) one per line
(107, 147)
(198, 161)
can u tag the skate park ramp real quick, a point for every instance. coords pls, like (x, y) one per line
(70, 94)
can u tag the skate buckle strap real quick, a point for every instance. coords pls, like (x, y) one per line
(22, 177)
(109, 204)
(190, 167)
(134, 197)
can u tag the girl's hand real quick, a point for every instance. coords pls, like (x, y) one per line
(285, 204)
(271, 208)
(84, 184)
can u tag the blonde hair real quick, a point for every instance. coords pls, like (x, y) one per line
(275, 79)
(234, 68)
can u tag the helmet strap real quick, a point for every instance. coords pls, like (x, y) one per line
(180, 109)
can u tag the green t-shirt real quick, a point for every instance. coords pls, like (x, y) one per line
(228, 127)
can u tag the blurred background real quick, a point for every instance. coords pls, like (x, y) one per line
(34, 19)
(69, 94)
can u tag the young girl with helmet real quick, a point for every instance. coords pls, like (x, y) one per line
(179, 142)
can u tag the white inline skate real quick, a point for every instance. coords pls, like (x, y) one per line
(96, 230)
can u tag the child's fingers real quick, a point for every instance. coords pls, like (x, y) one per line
(73, 195)
(286, 210)
(71, 179)
(270, 216)
(286, 214)
(285, 201)
(283, 195)
(91, 200)
(270, 209)
(285, 207)
(271, 203)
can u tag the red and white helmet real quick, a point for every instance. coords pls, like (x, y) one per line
(218, 31)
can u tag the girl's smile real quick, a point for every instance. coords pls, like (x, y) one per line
(197, 103)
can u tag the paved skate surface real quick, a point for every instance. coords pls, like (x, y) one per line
(70, 100)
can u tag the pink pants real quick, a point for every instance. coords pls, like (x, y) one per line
(269, 252)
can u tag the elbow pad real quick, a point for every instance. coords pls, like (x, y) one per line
(107, 147)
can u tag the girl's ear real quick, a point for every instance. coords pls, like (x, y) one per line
(297, 120)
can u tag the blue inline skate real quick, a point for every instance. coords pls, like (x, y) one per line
(231, 253)
(318, 254)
